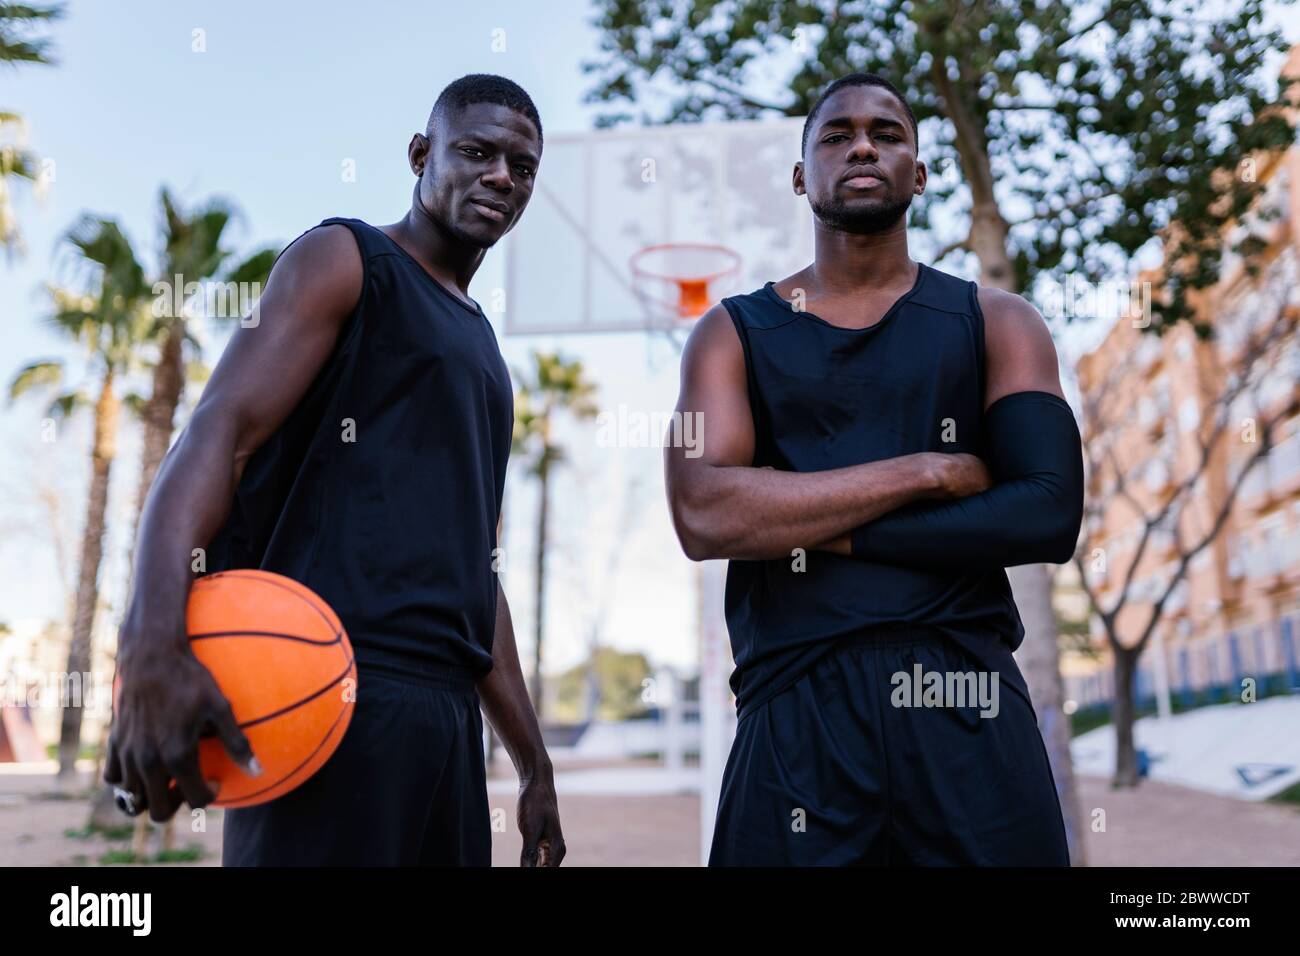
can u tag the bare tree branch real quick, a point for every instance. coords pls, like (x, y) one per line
(1252, 367)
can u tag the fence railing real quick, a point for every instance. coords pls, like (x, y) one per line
(1207, 670)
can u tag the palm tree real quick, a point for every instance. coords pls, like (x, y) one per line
(16, 162)
(192, 252)
(554, 385)
(18, 23)
(109, 318)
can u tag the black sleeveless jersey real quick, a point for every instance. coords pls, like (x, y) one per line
(382, 488)
(827, 397)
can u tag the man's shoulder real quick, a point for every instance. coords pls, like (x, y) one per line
(1021, 352)
(1009, 314)
(326, 260)
(343, 236)
(336, 241)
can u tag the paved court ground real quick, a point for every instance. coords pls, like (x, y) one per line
(1157, 824)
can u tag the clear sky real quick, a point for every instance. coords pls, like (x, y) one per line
(267, 114)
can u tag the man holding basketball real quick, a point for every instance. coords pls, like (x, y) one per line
(883, 440)
(355, 439)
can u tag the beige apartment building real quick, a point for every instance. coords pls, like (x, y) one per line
(1146, 400)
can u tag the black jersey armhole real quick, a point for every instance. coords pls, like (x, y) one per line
(355, 227)
(755, 410)
(981, 343)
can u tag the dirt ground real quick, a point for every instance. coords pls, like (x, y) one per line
(1155, 825)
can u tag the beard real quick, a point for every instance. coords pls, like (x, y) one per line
(861, 217)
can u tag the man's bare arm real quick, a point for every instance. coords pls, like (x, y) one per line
(505, 701)
(1033, 512)
(167, 698)
(724, 507)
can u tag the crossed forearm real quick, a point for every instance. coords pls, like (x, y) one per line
(1032, 514)
(755, 514)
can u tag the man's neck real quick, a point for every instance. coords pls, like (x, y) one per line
(448, 259)
(851, 263)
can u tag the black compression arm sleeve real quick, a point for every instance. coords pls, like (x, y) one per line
(1031, 514)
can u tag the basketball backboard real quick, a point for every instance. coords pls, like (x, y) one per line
(602, 197)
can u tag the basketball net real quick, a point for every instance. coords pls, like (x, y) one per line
(676, 283)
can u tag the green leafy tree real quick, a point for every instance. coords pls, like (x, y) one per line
(619, 678)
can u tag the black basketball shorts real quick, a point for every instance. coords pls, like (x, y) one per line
(834, 770)
(407, 786)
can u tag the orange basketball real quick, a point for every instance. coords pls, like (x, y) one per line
(282, 659)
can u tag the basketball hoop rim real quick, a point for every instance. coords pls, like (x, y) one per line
(691, 287)
(644, 273)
